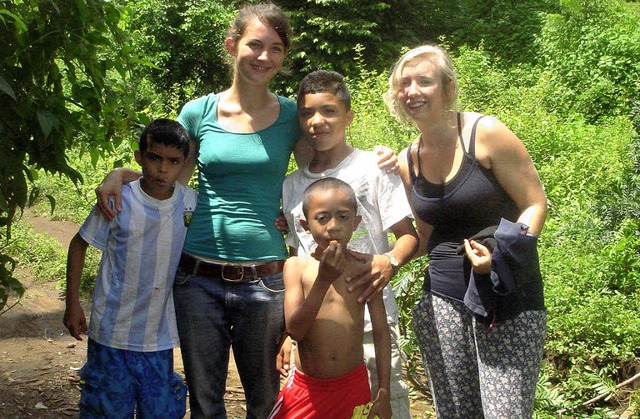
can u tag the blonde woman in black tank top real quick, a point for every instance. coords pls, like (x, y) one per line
(464, 173)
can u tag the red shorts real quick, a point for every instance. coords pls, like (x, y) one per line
(307, 397)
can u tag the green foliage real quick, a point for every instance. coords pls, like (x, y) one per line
(591, 299)
(46, 258)
(372, 124)
(479, 80)
(407, 287)
(563, 75)
(62, 81)
(507, 28)
(549, 398)
(185, 42)
(74, 201)
(327, 30)
(591, 50)
(620, 198)
(43, 254)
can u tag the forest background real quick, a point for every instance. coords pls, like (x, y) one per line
(79, 78)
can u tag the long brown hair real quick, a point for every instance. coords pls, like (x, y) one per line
(267, 13)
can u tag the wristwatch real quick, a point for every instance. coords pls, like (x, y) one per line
(394, 263)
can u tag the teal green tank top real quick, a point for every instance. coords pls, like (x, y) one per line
(239, 183)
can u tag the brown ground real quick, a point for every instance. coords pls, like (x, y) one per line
(39, 359)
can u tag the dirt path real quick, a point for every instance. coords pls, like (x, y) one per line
(39, 359)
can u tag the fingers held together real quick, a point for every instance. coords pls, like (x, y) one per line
(479, 256)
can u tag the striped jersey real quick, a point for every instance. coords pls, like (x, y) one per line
(132, 305)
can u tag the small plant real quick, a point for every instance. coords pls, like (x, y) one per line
(9, 286)
(407, 288)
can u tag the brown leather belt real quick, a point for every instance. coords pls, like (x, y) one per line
(227, 271)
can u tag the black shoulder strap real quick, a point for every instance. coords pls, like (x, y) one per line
(412, 174)
(472, 140)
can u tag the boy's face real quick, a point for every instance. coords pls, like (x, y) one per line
(324, 120)
(161, 166)
(331, 217)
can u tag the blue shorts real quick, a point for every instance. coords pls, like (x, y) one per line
(117, 382)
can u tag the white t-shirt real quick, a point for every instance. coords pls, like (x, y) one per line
(381, 203)
(132, 301)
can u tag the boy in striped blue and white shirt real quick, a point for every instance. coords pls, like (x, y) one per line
(132, 331)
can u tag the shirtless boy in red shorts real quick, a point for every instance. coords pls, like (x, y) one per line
(330, 379)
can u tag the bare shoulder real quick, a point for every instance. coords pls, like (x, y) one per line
(402, 155)
(298, 263)
(491, 132)
(403, 163)
(496, 142)
(294, 260)
(296, 266)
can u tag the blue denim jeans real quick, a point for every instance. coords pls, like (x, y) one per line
(213, 315)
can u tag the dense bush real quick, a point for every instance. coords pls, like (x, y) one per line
(184, 43)
(507, 28)
(372, 124)
(62, 82)
(591, 51)
(74, 201)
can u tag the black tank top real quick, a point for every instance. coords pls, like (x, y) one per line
(471, 201)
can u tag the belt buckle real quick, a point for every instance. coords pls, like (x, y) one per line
(240, 267)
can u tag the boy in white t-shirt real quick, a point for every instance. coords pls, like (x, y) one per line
(133, 329)
(324, 107)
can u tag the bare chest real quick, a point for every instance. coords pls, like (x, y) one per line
(338, 302)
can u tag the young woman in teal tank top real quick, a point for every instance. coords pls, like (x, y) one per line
(228, 289)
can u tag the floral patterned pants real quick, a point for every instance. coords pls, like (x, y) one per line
(477, 371)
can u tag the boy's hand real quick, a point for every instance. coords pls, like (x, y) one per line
(283, 359)
(281, 223)
(75, 320)
(110, 186)
(387, 159)
(370, 278)
(332, 262)
(381, 407)
(479, 256)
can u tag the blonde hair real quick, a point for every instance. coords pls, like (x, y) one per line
(436, 55)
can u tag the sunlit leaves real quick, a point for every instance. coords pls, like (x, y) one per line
(57, 78)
